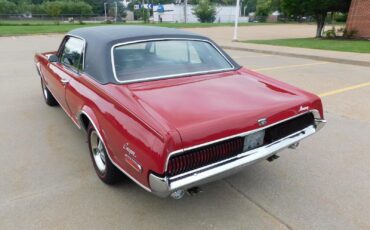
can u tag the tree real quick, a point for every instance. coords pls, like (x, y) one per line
(318, 9)
(263, 9)
(216, 2)
(53, 8)
(250, 6)
(24, 7)
(7, 7)
(57, 8)
(205, 11)
(121, 11)
(77, 8)
(97, 6)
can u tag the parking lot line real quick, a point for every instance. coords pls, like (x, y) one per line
(290, 66)
(337, 91)
(253, 56)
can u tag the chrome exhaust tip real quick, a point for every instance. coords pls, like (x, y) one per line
(178, 194)
(294, 145)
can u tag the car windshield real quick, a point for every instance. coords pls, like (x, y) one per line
(166, 58)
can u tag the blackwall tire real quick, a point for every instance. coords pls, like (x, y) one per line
(48, 97)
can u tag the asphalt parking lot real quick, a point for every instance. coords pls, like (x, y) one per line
(48, 181)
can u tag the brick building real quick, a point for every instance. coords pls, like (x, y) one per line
(359, 18)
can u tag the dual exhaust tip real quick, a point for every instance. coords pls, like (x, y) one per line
(294, 145)
(274, 157)
(178, 194)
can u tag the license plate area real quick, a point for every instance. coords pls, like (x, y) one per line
(254, 140)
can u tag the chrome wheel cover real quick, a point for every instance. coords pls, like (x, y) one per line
(98, 151)
(45, 91)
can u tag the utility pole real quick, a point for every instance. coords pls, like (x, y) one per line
(245, 8)
(105, 10)
(116, 9)
(237, 10)
(185, 11)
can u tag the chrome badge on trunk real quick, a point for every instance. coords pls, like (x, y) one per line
(262, 121)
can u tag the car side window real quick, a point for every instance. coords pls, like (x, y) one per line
(72, 53)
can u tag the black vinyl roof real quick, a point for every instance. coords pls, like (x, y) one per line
(100, 39)
(108, 34)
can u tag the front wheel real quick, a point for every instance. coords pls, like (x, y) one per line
(104, 168)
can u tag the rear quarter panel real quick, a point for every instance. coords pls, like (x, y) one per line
(119, 126)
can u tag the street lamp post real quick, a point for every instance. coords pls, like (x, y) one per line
(237, 10)
(105, 10)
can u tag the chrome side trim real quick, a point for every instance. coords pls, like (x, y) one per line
(319, 122)
(114, 163)
(164, 186)
(172, 75)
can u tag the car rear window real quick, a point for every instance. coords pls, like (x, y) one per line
(166, 58)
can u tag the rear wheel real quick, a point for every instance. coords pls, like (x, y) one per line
(104, 168)
(48, 97)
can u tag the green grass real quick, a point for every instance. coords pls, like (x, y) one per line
(10, 28)
(26, 22)
(358, 46)
(38, 29)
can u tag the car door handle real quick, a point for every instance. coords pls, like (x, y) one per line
(64, 81)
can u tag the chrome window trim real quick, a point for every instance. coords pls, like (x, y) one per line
(83, 55)
(171, 75)
(315, 113)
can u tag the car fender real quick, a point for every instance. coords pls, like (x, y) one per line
(89, 113)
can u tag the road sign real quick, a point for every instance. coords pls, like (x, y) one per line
(160, 8)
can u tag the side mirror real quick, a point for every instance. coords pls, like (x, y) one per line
(53, 58)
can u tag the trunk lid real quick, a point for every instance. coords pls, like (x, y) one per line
(209, 107)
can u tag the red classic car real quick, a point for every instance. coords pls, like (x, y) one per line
(169, 108)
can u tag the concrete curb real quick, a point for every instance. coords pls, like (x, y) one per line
(288, 54)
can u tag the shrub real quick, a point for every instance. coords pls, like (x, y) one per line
(340, 17)
(205, 11)
(349, 33)
(142, 14)
(330, 33)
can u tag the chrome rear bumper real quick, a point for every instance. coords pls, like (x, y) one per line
(164, 186)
